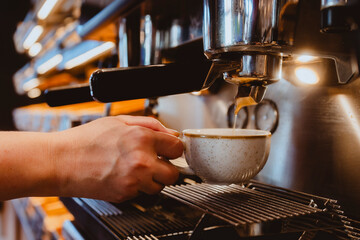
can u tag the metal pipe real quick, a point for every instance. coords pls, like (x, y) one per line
(108, 14)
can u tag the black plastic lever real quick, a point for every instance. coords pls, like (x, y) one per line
(117, 84)
(66, 95)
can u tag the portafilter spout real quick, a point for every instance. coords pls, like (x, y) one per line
(251, 73)
(244, 40)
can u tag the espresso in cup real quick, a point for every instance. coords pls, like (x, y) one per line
(224, 155)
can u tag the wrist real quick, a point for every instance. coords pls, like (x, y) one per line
(62, 155)
(49, 173)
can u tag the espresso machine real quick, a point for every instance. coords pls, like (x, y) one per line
(296, 64)
(297, 59)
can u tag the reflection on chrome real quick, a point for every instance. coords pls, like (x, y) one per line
(176, 33)
(332, 3)
(32, 83)
(90, 55)
(306, 75)
(33, 36)
(305, 58)
(350, 114)
(46, 9)
(230, 23)
(50, 64)
(123, 44)
(34, 93)
(146, 40)
(35, 49)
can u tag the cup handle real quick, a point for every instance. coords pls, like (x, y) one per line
(181, 165)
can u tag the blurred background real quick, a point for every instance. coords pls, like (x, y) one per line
(312, 111)
(11, 13)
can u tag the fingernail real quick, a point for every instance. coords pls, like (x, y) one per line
(174, 132)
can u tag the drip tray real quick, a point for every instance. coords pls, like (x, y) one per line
(257, 209)
(146, 217)
(204, 211)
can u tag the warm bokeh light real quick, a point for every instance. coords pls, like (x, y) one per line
(46, 9)
(305, 58)
(34, 93)
(89, 55)
(35, 49)
(196, 93)
(32, 83)
(50, 64)
(33, 36)
(306, 75)
(350, 113)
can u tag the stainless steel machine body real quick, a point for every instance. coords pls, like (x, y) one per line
(315, 127)
(312, 106)
(315, 124)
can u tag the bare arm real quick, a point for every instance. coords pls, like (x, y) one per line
(113, 158)
(25, 164)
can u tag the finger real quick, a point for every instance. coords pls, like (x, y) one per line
(168, 146)
(148, 122)
(165, 173)
(130, 194)
(151, 187)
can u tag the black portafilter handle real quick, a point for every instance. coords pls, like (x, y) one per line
(66, 95)
(117, 84)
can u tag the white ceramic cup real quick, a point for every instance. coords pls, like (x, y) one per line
(225, 155)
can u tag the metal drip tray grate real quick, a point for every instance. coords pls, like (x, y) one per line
(135, 222)
(259, 209)
(239, 205)
(204, 211)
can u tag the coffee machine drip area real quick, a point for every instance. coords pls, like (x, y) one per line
(290, 67)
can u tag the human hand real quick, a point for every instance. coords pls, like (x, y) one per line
(116, 158)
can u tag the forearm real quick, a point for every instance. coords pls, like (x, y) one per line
(27, 165)
(113, 159)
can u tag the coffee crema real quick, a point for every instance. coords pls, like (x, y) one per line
(225, 133)
(241, 102)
